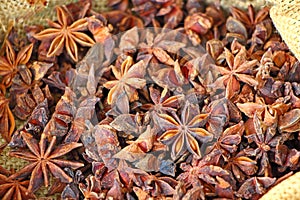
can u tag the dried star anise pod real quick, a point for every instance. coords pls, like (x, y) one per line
(197, 24)
(44, 159)
(16, 189)
(34, 125)
(182, 133)
(157, 187)
(239, 70)
(28, 77)
(65, 34)
(241, 166)
(254, 187)
(127, 74)
(26, 89)
(118, 4)
(130, 124)
(207, 173)
(266, 141)
(71, 190)
(142, 152)
(7, 120)
(85, 112)
(267, 113)
(99, 28)
(9, 64)
(230, 138)
(287, 158)
(251, 18)
(92, 188)
(236, 30)
(123, 21)
(63, 116)
(163, 102)
(220, 113)
(289, 122)
(106, 145)
(150, 10)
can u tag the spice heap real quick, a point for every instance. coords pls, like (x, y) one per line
(153, 99)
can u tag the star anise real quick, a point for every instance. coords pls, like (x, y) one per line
(9, 64)
(64, 114)
(182, 133)
(34, 125)
(92, 188)
(14, 189)
(44, 159)
(149, 10)
(289, 122)
(163, 101)
(26, 89)
(254, 187)
(230, 138)
(251, 18)
(157, 187)
(239, 70)
(65, 35)
(7, 120)
(118, 4)
(208, 174)
(266, 141)
(241, 166)
(268, 113)
(129, 77)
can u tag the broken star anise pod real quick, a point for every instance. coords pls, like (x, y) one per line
(130, 77)
(7, 120)
(254, 187)
(9, 64)
(44, 160)
(34, 125)
(267, 113)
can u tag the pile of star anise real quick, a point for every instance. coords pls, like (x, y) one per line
(160, 99)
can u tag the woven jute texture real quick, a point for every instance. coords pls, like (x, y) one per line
(289, 189)
(286, 17)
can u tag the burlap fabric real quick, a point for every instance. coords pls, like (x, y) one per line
(20, 13)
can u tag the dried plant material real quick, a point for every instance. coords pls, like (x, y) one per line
(285, 189)
(266, 141)
(43, 157)
(155, 114)
(239, 70)
(14, 189)
(289, 121)
(256, 184)
(9, 64)
(7, 119)
(129, 77)
(107, 144)
(34, 125)
(285, 17)
(63, 33)
(63, 115)
(182, 133)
